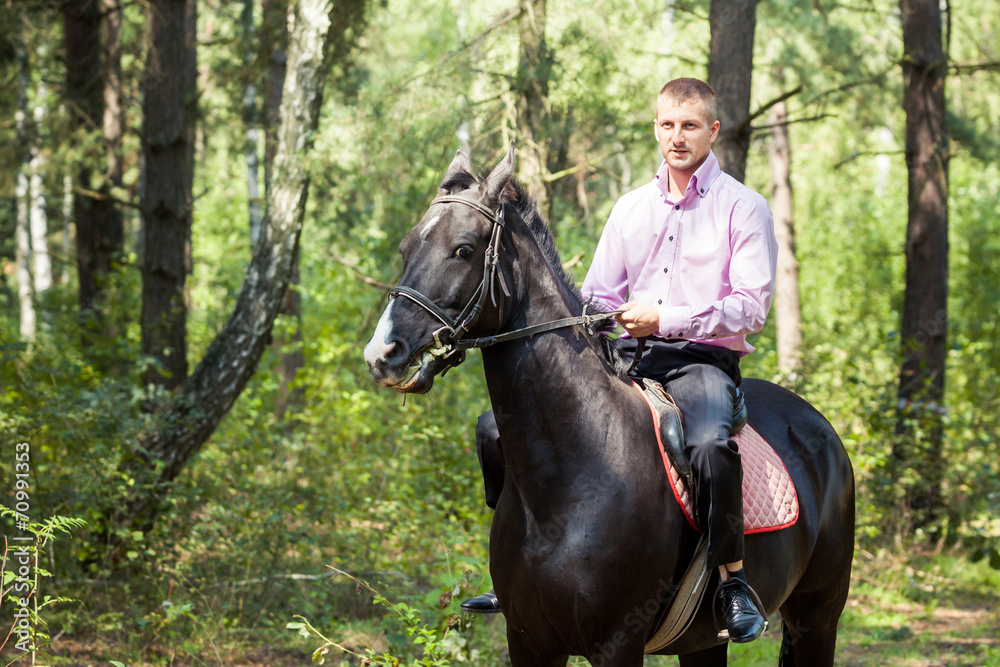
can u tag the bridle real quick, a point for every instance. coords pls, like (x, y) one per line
(449, 340)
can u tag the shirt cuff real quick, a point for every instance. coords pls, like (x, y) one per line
(676, 322)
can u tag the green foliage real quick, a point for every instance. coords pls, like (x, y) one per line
(22, 575)
(430, 642)
(354, 476)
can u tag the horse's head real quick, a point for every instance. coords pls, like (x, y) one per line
(449, 283)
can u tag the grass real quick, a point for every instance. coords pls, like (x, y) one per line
(919, 611)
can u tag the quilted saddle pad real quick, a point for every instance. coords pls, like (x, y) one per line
(769, 498)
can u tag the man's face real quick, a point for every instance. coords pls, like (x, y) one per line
(684, 133)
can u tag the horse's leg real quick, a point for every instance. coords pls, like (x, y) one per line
(717, 656)
(521, 655)
(611, 654)
(809, 628)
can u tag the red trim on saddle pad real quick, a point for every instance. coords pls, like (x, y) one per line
(769, 499)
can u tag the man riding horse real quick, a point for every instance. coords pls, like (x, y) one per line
(690, 258)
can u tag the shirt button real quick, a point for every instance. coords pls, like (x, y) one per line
(664, 269)
(702, 191)
(660, 301)
(677, 208)
(671, 238)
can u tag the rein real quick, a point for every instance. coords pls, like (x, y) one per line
(449, 339)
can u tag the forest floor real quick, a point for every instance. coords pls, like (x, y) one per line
(926, 611)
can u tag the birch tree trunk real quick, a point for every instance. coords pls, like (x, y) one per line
(22, 231)
(22, 236)
(41, 260)
(786, 298)
(275, 43)
(67, 222)
(925, 302)
(730, 65)
(195, 411)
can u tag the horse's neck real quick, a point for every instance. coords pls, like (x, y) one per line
(551, 393)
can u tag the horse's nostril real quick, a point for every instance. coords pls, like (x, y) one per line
(381, 353)
(396, 352)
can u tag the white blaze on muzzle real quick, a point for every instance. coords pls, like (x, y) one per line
(380, 346)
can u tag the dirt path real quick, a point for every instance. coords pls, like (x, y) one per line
(914, 635)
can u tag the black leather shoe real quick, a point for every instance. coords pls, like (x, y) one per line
(486, 603)
(742, 610)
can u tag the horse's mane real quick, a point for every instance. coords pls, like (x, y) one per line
(518, 196)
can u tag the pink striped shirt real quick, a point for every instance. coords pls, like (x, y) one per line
(707, 262)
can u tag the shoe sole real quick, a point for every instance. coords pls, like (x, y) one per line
(724, 635)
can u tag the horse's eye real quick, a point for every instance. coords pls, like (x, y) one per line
(463, 251)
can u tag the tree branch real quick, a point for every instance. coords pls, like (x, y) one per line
(781, 98)
(857, 154)
(960, 68)
(875, 78)
(357, 272)
(501, 21)
(555, 176)
(758, 128)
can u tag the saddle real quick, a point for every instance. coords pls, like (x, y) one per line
(769, 498)
(769, 502)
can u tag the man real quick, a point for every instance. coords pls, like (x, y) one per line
(691, 258)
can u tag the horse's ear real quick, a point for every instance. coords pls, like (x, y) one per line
(499, 178)
(460, 164)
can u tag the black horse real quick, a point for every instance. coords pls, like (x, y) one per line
(587, 539)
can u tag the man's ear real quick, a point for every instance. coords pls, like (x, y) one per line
(714, 131)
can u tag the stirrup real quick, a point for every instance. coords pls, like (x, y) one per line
(723, 633)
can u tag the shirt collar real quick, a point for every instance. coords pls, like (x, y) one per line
(706, 175)
(700, 182)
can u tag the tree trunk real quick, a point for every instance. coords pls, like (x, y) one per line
(250, 126)
(38, 220)
(192, 145)
(22, 236)
(67, 221)
(22, 231)
(22, 195)
(194, 413)
(730, 65)
(289, 348)
(533, 113)
(166, 208)
(98, 226)
(113, 124)
(787, 280)
(275, 43)
(925, 315)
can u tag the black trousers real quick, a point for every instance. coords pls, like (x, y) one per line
(702, 379)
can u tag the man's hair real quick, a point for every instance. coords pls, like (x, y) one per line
(681, 91)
